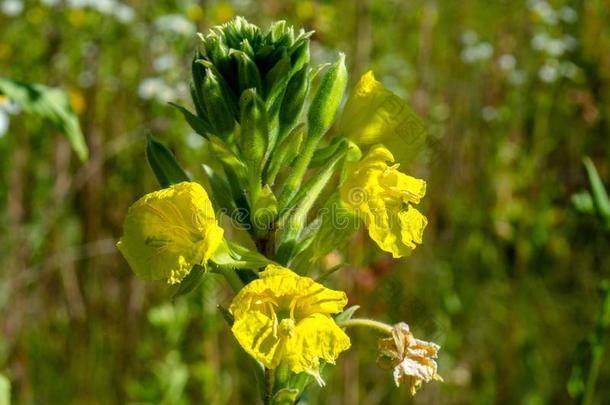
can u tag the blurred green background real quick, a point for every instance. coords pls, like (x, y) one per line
(514, 94)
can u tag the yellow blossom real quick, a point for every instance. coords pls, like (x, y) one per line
(168, 231)
(383, 197)
(373, 114)
(285, 318)
(412, 359)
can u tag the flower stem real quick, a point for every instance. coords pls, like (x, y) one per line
(232, 278)
(368, 323)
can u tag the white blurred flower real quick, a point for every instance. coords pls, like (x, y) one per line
(477, 53)
(548, 73)
(155, 88)
(568, 14)
(124, 13)
(50, 3)
(544, 11)
(176, 23)
(507, 62)
(540, 40)
(4, 121)
(164, 62)
(12, 8)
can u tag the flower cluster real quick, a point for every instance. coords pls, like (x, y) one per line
(273, 160)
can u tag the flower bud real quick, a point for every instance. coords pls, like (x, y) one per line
(219, 111)
(327, 99)
(294, 98)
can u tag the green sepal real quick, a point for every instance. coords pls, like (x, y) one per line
(327, 99)
(264, 211)
(164, 165)
(232, 255)
(285, 396)
(247, 72)
(191, 281)
(347, 313)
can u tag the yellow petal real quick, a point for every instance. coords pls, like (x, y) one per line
(283, 317)
(382, 197)
(255, 333)
(168, 231)
(316, 338)
(373, 114)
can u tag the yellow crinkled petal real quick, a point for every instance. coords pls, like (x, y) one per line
(283, 317)
(283, 287)
(255, 333)
(315, 338)
(373, 114)
(412, 224)
(168, 231)
(382, 195)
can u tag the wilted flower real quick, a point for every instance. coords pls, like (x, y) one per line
(169, 231)
(411, 359)
(285, 318)
(383, 197)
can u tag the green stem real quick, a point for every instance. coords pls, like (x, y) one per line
(368, 323)
(232, 278)
(268, 385)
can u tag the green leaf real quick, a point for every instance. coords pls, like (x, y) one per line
(198, 124)
(190, 282)
(600, 197)
(49, 103)
(164, 165)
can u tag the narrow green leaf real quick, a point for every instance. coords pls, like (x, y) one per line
(164, 165)
(600, 197)
(198, 124)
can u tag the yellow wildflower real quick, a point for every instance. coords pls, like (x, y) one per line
(283, 317)
(168, 231)
(373, 114)
(383, 197)
(411, 358)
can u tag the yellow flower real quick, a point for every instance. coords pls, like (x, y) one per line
(383, 197)
(373, 114)
(412, 359)
(283, 317)
(168, 231)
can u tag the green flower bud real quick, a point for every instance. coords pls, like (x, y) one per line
(294, 98)
(247, 71)
(327, 99)
(219, 111)
(254, 130)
